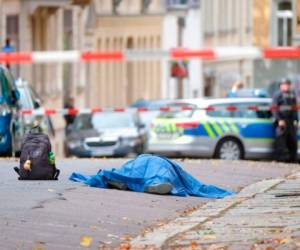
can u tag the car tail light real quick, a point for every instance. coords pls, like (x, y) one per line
(187, 124)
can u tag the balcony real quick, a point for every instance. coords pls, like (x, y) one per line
(182, 4)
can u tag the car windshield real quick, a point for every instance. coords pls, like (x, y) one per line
(101, 121)
(25, 99)
(177, 112)
(6, 82)
(153, 106)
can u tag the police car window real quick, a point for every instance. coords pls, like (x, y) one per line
(220, 111)
(243, 111)
(177, 112)
(25, 99)
(264, 114)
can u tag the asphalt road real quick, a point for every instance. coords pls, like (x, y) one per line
(56, 214)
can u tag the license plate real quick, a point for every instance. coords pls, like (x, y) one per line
(103, 152)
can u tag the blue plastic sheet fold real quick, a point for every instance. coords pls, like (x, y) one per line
(148, 170)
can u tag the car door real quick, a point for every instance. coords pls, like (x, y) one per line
(256, 128)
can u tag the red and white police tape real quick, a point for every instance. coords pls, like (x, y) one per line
(230, 108)
(218, 53)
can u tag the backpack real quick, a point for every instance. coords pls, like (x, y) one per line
(34, 160)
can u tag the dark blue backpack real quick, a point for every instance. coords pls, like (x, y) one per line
(35, 150)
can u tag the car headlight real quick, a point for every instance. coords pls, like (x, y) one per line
(74, 144)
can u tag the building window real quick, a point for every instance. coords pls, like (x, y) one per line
(208, 20)
(248, 14)
(145, 5)
(284, 16)
(68, 29)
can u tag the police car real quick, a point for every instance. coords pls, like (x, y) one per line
(229, 128)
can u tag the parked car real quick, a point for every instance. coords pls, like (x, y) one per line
(153, 107)
(8, 109)
(29, 100)
(221, 132)
(105, 134)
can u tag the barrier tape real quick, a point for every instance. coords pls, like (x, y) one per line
(50, 112)
(218, 53)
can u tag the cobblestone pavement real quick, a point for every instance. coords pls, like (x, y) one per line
(264, 216)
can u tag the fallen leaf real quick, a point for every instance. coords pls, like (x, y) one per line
(86, 241)
(285, 240)
(276, 230)
(217, 247)
(125, 246)
(276, 241)
(209, 237)
(51, 190)
(126, 237)
(38, 248)
(269, 248)
(194, 245)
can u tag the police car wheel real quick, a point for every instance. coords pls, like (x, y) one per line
(229, 149)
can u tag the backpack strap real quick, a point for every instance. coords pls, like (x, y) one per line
(17, 170)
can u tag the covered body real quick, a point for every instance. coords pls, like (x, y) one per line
(147, 170)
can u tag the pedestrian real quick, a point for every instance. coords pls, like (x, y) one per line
(238, 85)
(69, 118)
(8, 48)
(286, 122)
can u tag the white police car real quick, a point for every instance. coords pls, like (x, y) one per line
(228, 128)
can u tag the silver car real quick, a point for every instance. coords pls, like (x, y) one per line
(227, 128)
(105, 134)
(29, 101)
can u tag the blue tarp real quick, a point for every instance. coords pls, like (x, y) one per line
(148, 170)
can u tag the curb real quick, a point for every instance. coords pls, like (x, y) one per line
(159, 237)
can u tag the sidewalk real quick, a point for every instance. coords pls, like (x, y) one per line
(263, 216)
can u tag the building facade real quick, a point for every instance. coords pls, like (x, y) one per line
(35, 25)
(121, 25)
(275, 25)
(226, 23)
(140, 25)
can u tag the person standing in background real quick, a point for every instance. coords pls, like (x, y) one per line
(235, 88)
(69, 104)
(286, 122)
